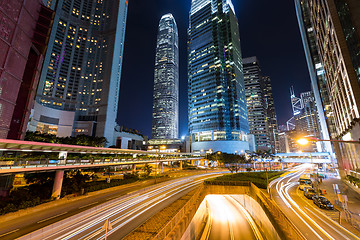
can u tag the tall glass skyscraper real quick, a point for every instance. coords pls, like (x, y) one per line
(166, 81)
(217, 105)
(79, 85)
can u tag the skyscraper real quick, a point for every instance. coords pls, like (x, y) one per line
(317, 74)
(24, 28)
(336, 33)
(166, 81)
(217, 104)
(80, 81)
(271, 115)
(255, 98)
(260, 106)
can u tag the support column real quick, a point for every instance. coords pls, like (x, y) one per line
(56, 192)
(206, 163)
(134, 167)
(161, 167)
(181, 163)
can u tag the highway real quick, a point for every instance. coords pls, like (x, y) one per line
(125, 213)
(313, 222)
(228, 219)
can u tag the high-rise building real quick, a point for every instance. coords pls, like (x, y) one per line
(165, 120)
(336, 33)
(79, 85)
(24, 32)
(306, 119)
(217, 104)
(271, 115)
(260, 106)
(317, 75)
(255, 99)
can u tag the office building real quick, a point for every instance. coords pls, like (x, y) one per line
(255, 99)
(165, 120)
(306, 119)
(271, 115)
(23, 39)
(80, 81)
(217, 104)
(317, 75)
(336, 30)
(260, 106)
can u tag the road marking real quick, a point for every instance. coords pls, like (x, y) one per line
(9, 232)
(88, 205)
(51, 217)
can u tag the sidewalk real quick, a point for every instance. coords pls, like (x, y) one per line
(352, 193)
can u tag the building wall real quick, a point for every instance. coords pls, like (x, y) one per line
(317, 75)
(51, 121)
(336, 26)
(82, 67)
(165, 122)
(217, 103)
(20, 61)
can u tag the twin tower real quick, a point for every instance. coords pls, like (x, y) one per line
(217, 109)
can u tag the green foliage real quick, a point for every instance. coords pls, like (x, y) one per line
(74, 181)
(134, 175)
(227, 158)
(257, 178)
(147, 170)
(83, 140)
(353, 180)
(40, 178)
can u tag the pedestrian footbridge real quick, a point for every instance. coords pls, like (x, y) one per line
(304, 157)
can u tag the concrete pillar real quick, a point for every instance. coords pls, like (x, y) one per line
(134, 167)
(206, 163)
(161, 167)
(56, 192)
(181, 167)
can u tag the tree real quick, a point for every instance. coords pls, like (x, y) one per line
(147, 169)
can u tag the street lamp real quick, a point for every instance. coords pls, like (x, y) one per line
(304, 142)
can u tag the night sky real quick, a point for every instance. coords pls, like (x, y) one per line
(268, 30)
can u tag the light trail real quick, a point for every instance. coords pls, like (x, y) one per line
(315, 223)
(120, 212)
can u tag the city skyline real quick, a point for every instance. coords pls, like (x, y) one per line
(141, 98)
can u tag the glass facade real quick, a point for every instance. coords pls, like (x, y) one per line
(82, 67)
(334, 27)
(255, 98)
(166, 81)
(317, 74)
(216, 97)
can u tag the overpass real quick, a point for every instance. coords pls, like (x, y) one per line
(304, 157)
(117, 158)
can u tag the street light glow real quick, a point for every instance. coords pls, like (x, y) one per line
(302, 141)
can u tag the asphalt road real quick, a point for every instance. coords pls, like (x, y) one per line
(229, 220)
(125, 213)
(313, 222)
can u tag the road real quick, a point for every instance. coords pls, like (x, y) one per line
(313, 222)
(228, 219)
(125, 213)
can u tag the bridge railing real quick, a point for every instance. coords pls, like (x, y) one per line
(23, 163)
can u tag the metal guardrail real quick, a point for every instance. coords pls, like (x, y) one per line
(44, 163)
